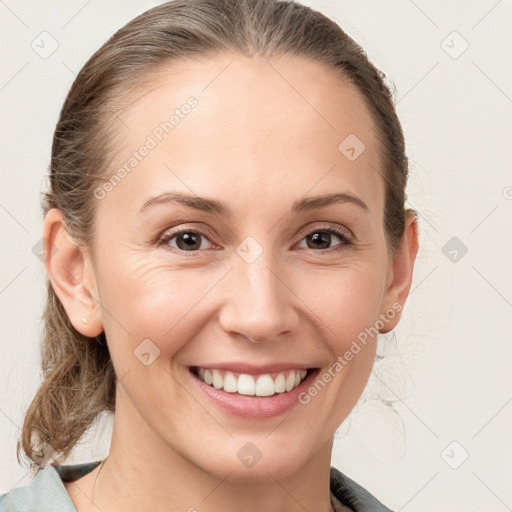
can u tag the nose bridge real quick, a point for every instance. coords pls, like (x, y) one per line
(258, 304)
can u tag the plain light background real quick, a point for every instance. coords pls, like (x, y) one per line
(448, 370)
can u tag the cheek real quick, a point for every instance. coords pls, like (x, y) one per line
(146, 300)
(346, 303)
(345, 300)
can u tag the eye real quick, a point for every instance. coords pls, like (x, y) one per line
(322, 238)
(189, 240)
(194, 240)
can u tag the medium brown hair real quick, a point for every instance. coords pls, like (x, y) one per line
(79, 381)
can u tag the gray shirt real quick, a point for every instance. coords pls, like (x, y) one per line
(46, 492)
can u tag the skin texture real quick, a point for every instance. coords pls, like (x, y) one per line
(258, 144)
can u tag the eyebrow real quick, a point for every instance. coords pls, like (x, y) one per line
(218, 207)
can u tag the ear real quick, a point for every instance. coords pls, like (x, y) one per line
(71, 274)
(400, 276)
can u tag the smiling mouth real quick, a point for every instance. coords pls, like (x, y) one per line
(263, 385)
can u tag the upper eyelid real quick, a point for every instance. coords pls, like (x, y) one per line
(176, 230)
(326, 227)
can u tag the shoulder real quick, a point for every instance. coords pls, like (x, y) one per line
(46, 492)
(353, 495)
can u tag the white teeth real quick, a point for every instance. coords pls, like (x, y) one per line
(218, 381)
(230, 383)
(290, 381)
(246, 384)
(265, 386)
(279, 385)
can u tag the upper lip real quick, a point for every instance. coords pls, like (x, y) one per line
(241, 367)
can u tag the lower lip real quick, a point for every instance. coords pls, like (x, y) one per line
(254, 407)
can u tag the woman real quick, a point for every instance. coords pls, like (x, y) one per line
(225, 239)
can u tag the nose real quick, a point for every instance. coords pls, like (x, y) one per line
(258, 304)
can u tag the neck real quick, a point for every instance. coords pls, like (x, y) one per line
(143, 473)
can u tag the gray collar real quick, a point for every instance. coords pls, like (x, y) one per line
(46, 492)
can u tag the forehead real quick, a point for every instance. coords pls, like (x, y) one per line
(284, 124)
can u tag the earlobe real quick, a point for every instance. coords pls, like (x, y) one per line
(71, 275)
(402, 271)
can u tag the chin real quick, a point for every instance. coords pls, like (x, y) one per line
(256, 460)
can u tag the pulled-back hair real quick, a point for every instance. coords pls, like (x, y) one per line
(79, 381)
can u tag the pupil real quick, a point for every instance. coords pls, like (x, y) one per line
(321, 237)
(190, 240)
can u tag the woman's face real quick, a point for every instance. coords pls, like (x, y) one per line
(247, 280)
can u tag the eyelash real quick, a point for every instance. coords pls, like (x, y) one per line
(338, 232)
